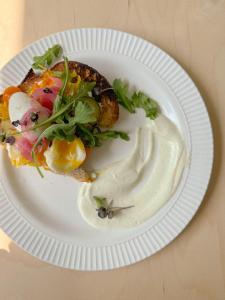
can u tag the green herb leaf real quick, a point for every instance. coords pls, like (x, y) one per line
(137, 100)
(58, 131)
(87, 111)
(151, 108)
(111, 134)
(65, 75)
(84, 88)
(58, 103)
(95, 139)
(100, 201)
(44, 61)
(121, 90)
(86, 135)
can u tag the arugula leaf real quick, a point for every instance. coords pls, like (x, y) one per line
(59, 99)
(137, 100)
(87, 111)
(53, 117)
(44, 61)
(121, 90)
(112, 134)
(92, 139)
(86, 135)
(59, 131)
(151, 108)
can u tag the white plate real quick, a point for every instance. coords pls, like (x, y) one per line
(41, 215)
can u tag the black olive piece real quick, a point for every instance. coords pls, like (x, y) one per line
(102, 212)
(34, 116)
(16, 123)
(10, 140)
(47, 90)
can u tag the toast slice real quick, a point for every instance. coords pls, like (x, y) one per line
(103, 93)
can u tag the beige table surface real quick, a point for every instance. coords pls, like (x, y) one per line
(193, 266)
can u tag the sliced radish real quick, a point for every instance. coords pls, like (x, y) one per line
(42, 112)
(46, 96)
(25, 147)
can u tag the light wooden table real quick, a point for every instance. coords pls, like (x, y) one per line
(193, 266)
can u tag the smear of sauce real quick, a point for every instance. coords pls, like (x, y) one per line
(146, 178)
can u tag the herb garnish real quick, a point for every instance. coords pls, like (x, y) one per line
(65, 76)
(107, 210)
(94, 139)
(136, 100)
(75, 113)
(44, 61)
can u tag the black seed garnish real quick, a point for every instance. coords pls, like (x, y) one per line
(34, 116)
(16, 123)
(10, 140)
(47, 90)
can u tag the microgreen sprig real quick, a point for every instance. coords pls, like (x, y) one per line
(107, 210)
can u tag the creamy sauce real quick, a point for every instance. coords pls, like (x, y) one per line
(146, 178)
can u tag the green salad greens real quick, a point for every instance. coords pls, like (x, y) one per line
(77, 113)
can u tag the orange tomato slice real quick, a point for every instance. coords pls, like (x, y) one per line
(8, 93)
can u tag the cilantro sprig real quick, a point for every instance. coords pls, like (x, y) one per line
(44, 61)
(136, 100)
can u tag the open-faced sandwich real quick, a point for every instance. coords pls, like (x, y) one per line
(60, 111)
(56, 115)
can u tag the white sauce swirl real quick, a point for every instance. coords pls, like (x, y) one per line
(146, 178)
